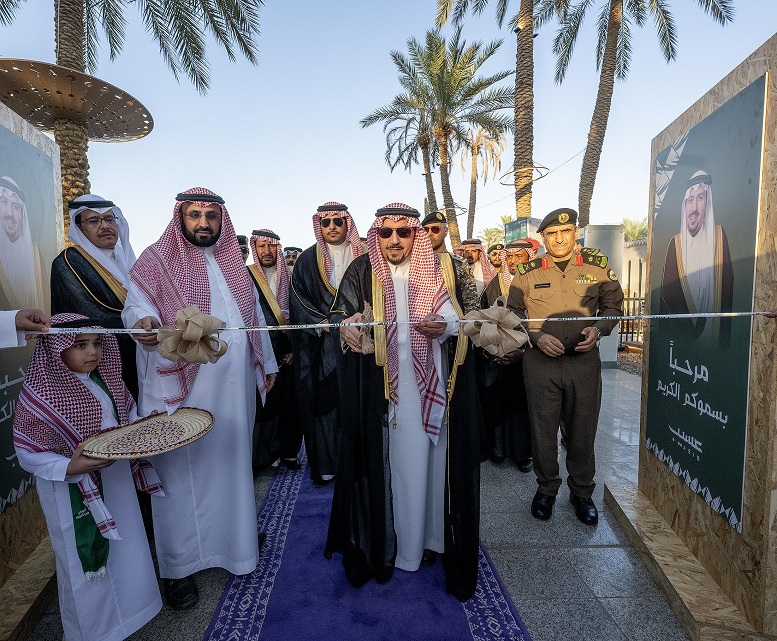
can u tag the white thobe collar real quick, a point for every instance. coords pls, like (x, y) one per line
(477, 274)
(341, 256)
(271, 274)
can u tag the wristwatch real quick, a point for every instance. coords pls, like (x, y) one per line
(598, 333)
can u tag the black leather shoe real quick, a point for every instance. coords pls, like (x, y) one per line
(585, 510)
(262, 538)
(429, 557)
(525, 466)
(542, 506)
(181, 594)
(291, 463)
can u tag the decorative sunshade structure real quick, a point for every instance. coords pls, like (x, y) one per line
(42, 93)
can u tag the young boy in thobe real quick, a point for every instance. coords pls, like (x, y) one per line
(72, 390)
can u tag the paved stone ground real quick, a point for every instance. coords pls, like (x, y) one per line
(569, 581)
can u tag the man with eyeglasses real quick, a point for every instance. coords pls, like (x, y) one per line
(207, 517)
(92, 276)
(563, 376)
(408, 479)
(317, 353)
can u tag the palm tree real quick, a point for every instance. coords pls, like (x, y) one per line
(439, 81)
(456, 99)
(635, 228)
(408, 128)
(523, 23)
(178, 27)
(613, 58)
(492, 236)
(484, 152)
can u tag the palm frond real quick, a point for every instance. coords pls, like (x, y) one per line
(721, 10)
(623, 49)
(155, 21)
(665, 28)
(8, 9)
(566, 38)
(114, 23)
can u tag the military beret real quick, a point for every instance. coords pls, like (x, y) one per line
(497, 247)
(563, 216)
(434, 217)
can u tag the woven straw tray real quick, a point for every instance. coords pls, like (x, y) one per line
(151, 435)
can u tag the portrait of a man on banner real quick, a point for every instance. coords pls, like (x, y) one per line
(702, 266)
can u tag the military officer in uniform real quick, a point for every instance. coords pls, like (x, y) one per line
(563, 375)
(495, 256)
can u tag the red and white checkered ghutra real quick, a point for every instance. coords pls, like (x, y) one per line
(352, 236)
(283, 275)
(56, 411)
(426, 295)
(173, 275)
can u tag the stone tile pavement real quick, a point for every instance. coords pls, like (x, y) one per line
(569, 581)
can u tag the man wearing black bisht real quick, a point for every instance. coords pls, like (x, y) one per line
(408, 480)
(277, 428)
(502, 391)
(91, 277)
(317, 352)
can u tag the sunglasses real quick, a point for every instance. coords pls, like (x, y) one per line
(337, 221)
(388, 232)
(433, 229)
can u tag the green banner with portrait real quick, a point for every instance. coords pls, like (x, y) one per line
(707, 190)
(28, 244)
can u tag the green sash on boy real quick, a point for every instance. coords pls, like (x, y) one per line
(91, 545)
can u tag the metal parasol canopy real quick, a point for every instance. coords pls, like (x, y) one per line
(42, 93)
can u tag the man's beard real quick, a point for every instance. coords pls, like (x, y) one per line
(267, 261)
(192, 238)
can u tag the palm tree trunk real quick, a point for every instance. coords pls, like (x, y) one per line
(71, 136)
(431, 198)
(447, 196)
(473, 192)
(523, 166)
(593, 150)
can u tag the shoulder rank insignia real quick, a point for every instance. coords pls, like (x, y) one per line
(589, 250)
(525, 268)
(461, 259)
(611, 275)
(596, 259)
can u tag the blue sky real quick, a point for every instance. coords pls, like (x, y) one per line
(280, 138)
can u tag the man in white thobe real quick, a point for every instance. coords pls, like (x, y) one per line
(473, 252)
(208, 516)
(394, 506)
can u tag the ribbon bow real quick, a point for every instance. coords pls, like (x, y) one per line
(193, 339)
(496, 329)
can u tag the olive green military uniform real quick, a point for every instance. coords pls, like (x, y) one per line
(566, 387)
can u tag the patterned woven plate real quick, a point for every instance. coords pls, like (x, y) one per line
(151, 435)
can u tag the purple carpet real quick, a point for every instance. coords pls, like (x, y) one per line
(295, 594)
